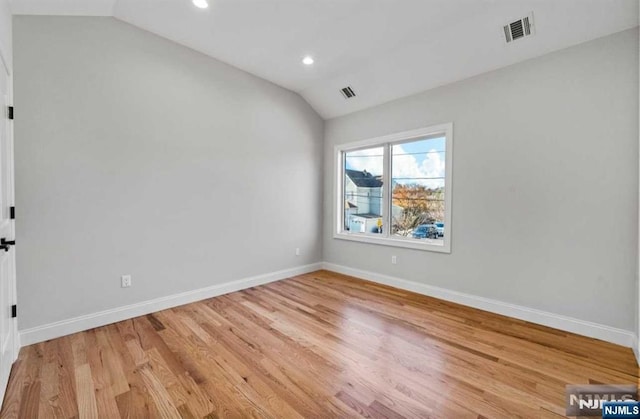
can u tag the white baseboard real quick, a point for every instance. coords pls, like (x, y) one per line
(101, 318)
(556, 321)
(636, 348)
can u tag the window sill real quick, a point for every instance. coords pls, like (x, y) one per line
(425, 244)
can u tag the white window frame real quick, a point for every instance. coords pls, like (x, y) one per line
(387, 141)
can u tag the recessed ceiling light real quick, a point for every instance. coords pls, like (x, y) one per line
(307, 60)
(201, 4)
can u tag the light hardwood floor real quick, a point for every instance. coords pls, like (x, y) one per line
(320, 345)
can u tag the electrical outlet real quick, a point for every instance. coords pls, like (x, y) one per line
(394, 260)
(126, 281)
(297, 251)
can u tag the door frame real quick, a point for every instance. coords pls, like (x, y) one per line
(11, 202)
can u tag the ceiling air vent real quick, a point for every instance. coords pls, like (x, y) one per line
(519, 29)
(348, 92)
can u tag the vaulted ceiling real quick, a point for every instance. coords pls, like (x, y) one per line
(383, 49)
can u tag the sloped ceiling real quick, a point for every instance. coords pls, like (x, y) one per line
(384, 49)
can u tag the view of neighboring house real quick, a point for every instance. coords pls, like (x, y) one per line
(363, 201)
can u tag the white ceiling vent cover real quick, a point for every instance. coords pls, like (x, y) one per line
(347, 92)
(518, 29)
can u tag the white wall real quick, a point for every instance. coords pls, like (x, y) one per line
(135, 155)
(545, 183)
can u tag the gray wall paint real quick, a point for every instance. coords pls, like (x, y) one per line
(545, 183)
(135, 155)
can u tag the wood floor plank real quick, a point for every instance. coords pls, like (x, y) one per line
(138, 354)
(17, 379)
(66, 377)
(136, 403)
(49, 392)
(320, 345)
(101, 376)
(199, 402)
(159, 394)
(87, 406)
(168, 379)
(112, 361)
(30, 394)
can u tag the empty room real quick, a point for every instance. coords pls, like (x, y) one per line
(319, 209)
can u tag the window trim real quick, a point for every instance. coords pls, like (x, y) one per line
(387, 141)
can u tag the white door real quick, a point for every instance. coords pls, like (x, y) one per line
(8, 327)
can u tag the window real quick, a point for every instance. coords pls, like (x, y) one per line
(396, 190)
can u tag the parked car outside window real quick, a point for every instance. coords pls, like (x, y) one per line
(425, 231)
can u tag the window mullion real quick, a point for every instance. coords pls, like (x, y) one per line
(341, 186)
(386, 190)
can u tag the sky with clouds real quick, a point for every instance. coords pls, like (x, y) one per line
(421, 162)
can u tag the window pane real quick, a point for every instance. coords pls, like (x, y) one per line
(417, 178)
(363, 206)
